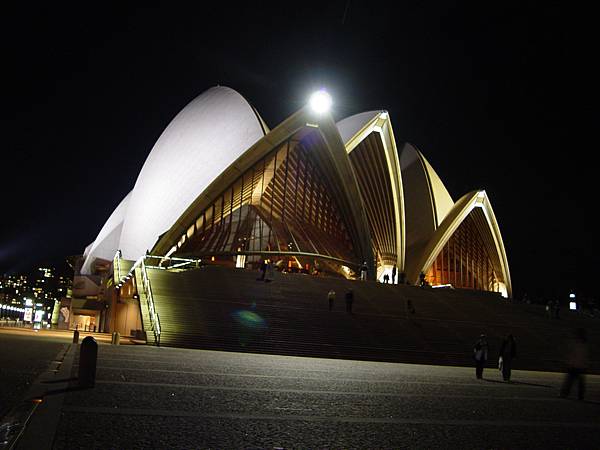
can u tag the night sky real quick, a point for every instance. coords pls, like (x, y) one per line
(486, 92)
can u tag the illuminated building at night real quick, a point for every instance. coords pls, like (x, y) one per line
(310, 194)
(41, 290)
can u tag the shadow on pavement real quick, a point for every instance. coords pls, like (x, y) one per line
(517, 382)
(530, 384)
(62, 380)
(67, 389)
(492, 381)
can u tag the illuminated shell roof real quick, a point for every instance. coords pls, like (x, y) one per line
(201, 142)
(475, 201)
(426, 199)
(209, 134)
(369, 141)
(350, 126)
(107, 241)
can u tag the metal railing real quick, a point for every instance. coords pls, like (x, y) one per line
(154, 318)
(170, 263)
(146, 285)
(117, 267)
(154, 262)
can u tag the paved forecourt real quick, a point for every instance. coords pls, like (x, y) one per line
(22, 358)
(172, 398)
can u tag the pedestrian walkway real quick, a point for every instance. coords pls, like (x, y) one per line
(150, 397)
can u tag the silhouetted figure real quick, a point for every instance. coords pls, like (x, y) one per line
(577, 364)
(410, 307)
(349, 300)
(363, 271)
(402, 278)
(394, 270)
(386, 278)
(317, 268)
(331, 298)
(508, 351)
(263, 269)
(270, 274)
(550, 309)
(480, 355)
(556, 309)
(422, 281)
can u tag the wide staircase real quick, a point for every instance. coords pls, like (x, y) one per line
(228, 309)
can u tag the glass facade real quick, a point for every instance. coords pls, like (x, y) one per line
(280, 208)
(465, 261)
(373, 175)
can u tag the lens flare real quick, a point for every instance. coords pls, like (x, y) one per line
(249, 319)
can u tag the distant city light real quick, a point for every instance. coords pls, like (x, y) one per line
(320, 101)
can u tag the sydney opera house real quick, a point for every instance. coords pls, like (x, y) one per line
(311, 195)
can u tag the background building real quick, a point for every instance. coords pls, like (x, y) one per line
(40, 291)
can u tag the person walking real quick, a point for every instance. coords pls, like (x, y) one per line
(577, 364)
(270, 273)
(363, 271)
(480, 354)
(349, 300)
(386, 278)
(263, 269)
(331, 298)
(508, 351)
(394, 271)
(402, 278)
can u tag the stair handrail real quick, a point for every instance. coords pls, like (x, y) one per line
(117, 266)
(154, 318)
(146, 285)
(174, 262)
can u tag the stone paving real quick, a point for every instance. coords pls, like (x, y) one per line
(149, 397)
(22, 359)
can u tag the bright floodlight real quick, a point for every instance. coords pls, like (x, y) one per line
(320, 101)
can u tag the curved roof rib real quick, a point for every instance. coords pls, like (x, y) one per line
(331, 156)
(200, 142)
(491, 237)
(107, 241)
(426, 201)
(370, 143)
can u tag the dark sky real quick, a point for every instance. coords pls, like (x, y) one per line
(487, 92)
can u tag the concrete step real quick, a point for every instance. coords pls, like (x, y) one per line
(227, 309)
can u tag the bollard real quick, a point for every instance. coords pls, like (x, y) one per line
(116, 338)
(76, 336)
(88, 354)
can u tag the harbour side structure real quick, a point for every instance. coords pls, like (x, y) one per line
(311, 195)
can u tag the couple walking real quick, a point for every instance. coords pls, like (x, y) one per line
(508, 351)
